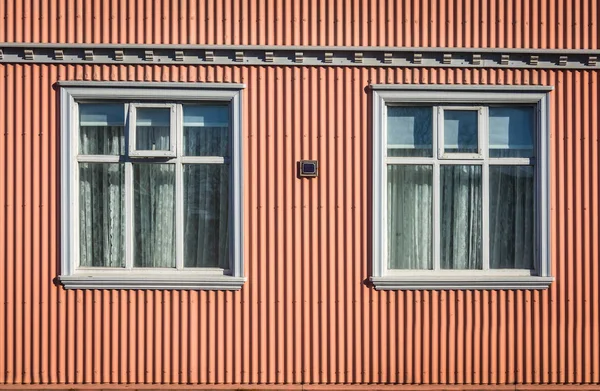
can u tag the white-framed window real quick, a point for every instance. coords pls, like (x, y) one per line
(152, 129)
(460, 187)
(151, 186)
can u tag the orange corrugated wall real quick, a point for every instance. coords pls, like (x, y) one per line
(305, 314)
(442, 23)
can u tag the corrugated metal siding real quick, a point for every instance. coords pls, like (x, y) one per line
(305, 314)
(453, 23)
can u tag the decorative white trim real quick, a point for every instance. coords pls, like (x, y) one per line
(73, 277)
(461, 87)
(379, 177)
(145, 281)
(433, 283)
(438, 95)
(66, 181)
(371, 56)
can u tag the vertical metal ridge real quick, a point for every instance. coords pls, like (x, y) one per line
(3, 226)
(594, 230)
(426, 23)
(19, 199)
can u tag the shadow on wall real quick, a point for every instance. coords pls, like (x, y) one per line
(58, 179)
(369, 174)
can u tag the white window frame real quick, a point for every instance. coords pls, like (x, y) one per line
(173, 124)
(481, 131)
(471, 97)
(74, 277)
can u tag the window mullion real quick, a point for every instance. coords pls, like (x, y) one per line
(485, 215)
(131, 129)
(129, 208)
(485, 188)
(438, 132)
(436, 220)
(179, 189)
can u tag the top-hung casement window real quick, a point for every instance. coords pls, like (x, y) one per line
(460, 187)
(151, 186)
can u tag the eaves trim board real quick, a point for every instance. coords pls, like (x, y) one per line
(256, 55)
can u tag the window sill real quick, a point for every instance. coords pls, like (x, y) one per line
(167, 280)
(460, 282)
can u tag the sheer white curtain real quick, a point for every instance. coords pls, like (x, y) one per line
(101, 140)
(410, 198)
(154, 215)
(461, 217)
(511, 221)
(149, 138)
(410, 211)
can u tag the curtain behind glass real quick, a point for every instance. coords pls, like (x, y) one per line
(206, 215)
(410, 217)
(101, 215)
(512, 218)
(101, 140)
(206, 141)
(101, 129)
(461, 225)
(153, 138)
(154, 215)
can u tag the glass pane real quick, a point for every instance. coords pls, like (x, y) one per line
(101, 215)
(154, 215)
(153, 130)
(511, 131)
(410, 131)
(101, 129)
(206, 130)
(410, 213)
(206, 215)
(460, 131)
(460, 217)
(512, 219)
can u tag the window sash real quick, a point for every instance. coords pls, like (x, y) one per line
(174, 125)
(132, 157)
(482, 126)
(440, 159)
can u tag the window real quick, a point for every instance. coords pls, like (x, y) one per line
(151, 186)
(460, 187)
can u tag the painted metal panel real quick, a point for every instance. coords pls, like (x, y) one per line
(412, 23)
(305, 314)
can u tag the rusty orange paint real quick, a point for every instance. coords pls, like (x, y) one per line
(305, 314)
(411, 23)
